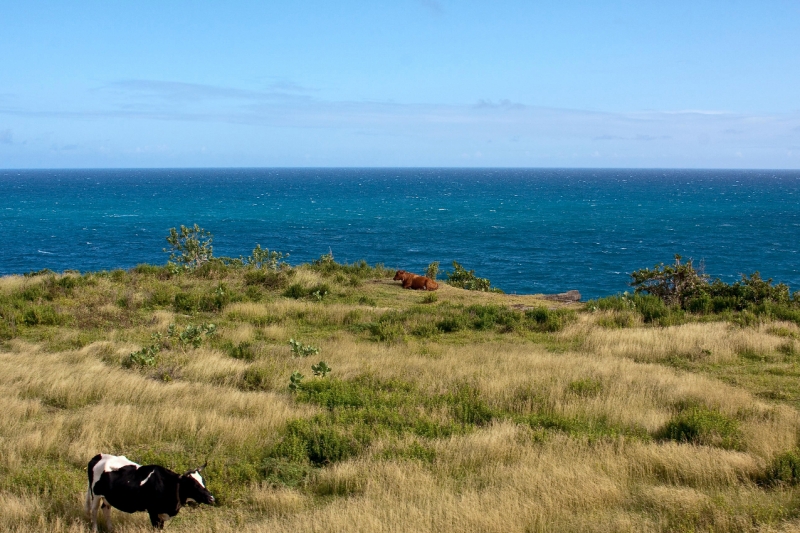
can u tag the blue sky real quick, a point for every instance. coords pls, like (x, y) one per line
(713, 84)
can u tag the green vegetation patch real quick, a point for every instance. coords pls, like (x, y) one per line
(698, 424)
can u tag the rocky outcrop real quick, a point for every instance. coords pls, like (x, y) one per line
(569, 296)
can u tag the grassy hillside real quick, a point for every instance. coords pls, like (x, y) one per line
(446, 411)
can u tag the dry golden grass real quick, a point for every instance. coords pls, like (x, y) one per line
(59, 407)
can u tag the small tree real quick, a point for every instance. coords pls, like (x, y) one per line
(433, 269)
(189, 247)
(675, 284)
(466, 279)
(262, 258)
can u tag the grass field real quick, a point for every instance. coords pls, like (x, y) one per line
(447, 411)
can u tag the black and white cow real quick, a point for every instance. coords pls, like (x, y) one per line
(114, 481)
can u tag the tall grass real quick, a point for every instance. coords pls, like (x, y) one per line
(476, 412)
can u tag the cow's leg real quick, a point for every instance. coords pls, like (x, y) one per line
(156, 519)
(107, 513)
(93, 511)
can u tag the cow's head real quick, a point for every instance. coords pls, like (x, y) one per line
(400, 275)
(193, 488)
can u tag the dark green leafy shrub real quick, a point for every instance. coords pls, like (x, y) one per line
(147, 356)
(673, 284)
(451, 324)
(466, 279)
(243, 351)
(486, 317)
(783, 470)
(41, 315)
(697, 424)
(548, 320)
(295, 381)
(295, 291)
(186, 303)
(324, 443)
(321, 369)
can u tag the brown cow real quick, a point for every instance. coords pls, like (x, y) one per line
(415, 282)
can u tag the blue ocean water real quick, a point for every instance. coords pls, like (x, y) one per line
(528, 230)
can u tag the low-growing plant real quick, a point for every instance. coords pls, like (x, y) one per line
(430, 298)
(295, 381)
(586, 387)
(302, 350)
(697, 424)
(147, 356)
(243, 351)
(192, 335)
(783, 470)
(321, 369)
(466, 279)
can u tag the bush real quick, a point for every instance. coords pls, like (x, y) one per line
(189, 247)
(262, 258)
(673, 284)
(41, 315)
(295, 291)
(783, 470)
(704, 426)
(243, 351)
(433, 270)
(466, 279)
(548, 320)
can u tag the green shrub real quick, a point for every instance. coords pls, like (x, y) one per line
(243, 351)
(147, 356)
(433, 270)
(618, 320)
(674, 284)
(192, 335)
(189, 247)
(321, 369)
(264, 259)
(586, 387)
(257, 377)
(266, 278)
(295, 291)
(548, 320)
(467, 407)
(41, 315)
(185, 302)
(302, 350)
(451, 324)
(783, 470)
(466, 279)
(701, 425)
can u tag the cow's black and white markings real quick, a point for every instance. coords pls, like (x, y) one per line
(114, 481)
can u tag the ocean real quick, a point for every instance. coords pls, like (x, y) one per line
(527, 230)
